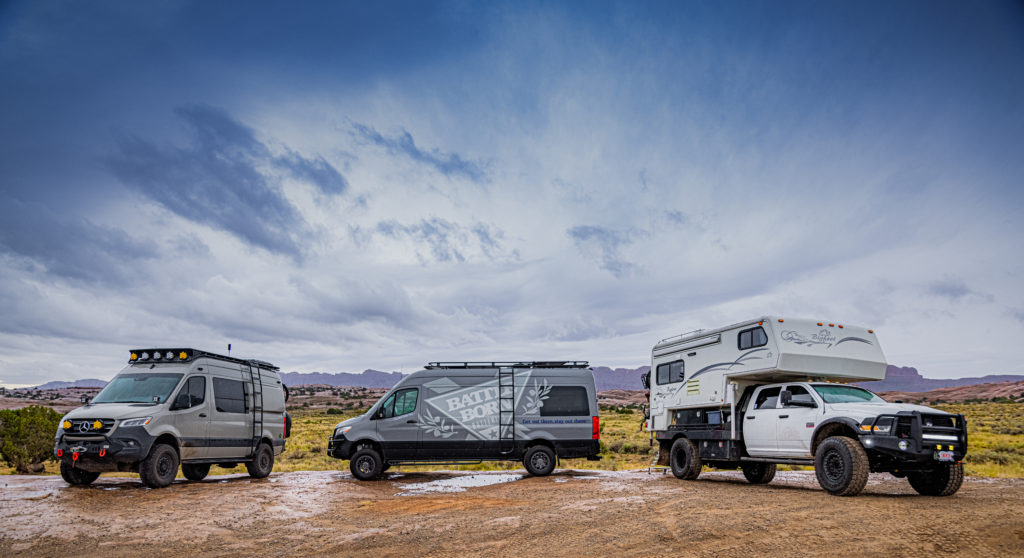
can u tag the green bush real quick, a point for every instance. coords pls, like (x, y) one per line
(335, 411)
(26, 437)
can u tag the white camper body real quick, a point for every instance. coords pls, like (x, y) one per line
(708, 368)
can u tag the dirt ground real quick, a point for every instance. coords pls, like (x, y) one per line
(569, 513)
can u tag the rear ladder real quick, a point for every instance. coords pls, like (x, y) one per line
(256, 381)
(506, 408)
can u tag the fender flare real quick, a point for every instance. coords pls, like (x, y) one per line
(828, 424)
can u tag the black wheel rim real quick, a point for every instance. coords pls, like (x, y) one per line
(540, 461)
(365, 465)
(833, 465)
(264, 461)
(164, 466)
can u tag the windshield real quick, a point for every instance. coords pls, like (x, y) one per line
(847, 394)
(138, 388)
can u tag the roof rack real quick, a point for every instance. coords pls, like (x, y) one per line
(516, 364)
(196, 353)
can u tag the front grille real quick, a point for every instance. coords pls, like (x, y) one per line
(86, 427)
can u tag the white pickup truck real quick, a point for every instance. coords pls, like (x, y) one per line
(782, 416)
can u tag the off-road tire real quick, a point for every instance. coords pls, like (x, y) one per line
(759, 473)
(262, 462)
(196, 472)
(539, 461)
(75, 476)
(160, 467)
(842, 466)
(943, 481)
(366, 464)
(685, 459)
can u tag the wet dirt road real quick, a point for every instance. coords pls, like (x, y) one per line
(569, 513)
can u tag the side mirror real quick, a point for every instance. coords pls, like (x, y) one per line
(786, 397)
(182, 401)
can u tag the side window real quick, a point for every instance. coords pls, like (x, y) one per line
(196, 390)
(566, 401)
(405, 401)
(662, 374)
(670, 373)
(387, 410)
(800, 394)
(229, 395)
(767, 398)
(750, 338)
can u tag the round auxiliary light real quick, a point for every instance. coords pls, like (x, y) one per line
(97, 425)
(157, 355)
(903, 445)
(133, 357)
(145, 356)
(67, 424)
(169, 355)
(182, 355)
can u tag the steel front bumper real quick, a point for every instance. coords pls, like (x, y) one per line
(912, 440)
(102, 454)
(339, 448)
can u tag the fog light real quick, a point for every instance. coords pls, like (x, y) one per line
(67, 424)
(97, 425)
(903, 445)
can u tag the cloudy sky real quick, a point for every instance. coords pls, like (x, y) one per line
(376, 185)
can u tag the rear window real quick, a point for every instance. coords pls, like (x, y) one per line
(566, 401)
(671, 372)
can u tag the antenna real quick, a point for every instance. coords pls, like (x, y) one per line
(229, 349)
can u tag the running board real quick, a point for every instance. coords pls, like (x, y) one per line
(779, 461)
(477, 462)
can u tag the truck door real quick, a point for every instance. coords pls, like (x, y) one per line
(759, 422)
(398, 424)
(191, 416)
(796, 422)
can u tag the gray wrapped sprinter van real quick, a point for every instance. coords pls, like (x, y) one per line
(467, 412)
(177, 406)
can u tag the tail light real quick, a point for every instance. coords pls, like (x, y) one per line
(596, 433)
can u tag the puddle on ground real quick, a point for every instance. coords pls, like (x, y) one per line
(457, 484)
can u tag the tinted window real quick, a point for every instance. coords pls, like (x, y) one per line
(229, 395)
(670, 373)
(846, 394)
(800, 394)
(750, 338)
(399, 403)
(767, 398)
(195, 387)
(566, 401)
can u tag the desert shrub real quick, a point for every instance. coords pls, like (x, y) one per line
(26, 437)
(335, 411)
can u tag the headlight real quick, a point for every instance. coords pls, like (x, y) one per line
(141, 421)
(342, 430)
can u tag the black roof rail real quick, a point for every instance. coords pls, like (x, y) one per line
(516, 364)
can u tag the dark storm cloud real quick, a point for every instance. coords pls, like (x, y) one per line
(73, 248)
(225, 179)
(602, 244)
(448, 164)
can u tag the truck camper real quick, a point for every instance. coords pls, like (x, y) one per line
(468, 412)
(775, 391)
(177, 406)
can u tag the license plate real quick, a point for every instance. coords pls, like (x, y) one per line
(945, 456)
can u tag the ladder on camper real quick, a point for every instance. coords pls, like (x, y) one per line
(256, 381)
(506, 408)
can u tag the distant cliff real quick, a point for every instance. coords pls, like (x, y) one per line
(908, 379)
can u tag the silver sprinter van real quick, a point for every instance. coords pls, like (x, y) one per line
(177, 406)
(467, 412)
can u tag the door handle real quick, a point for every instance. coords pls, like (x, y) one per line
(750, 417)
(783, 416)
(203, 415)
(410, 421)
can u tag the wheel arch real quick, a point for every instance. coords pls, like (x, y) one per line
(838, 426)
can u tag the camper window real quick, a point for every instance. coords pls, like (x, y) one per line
(767, 398)
(751, 338)
(670, 373)
(229, 395)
